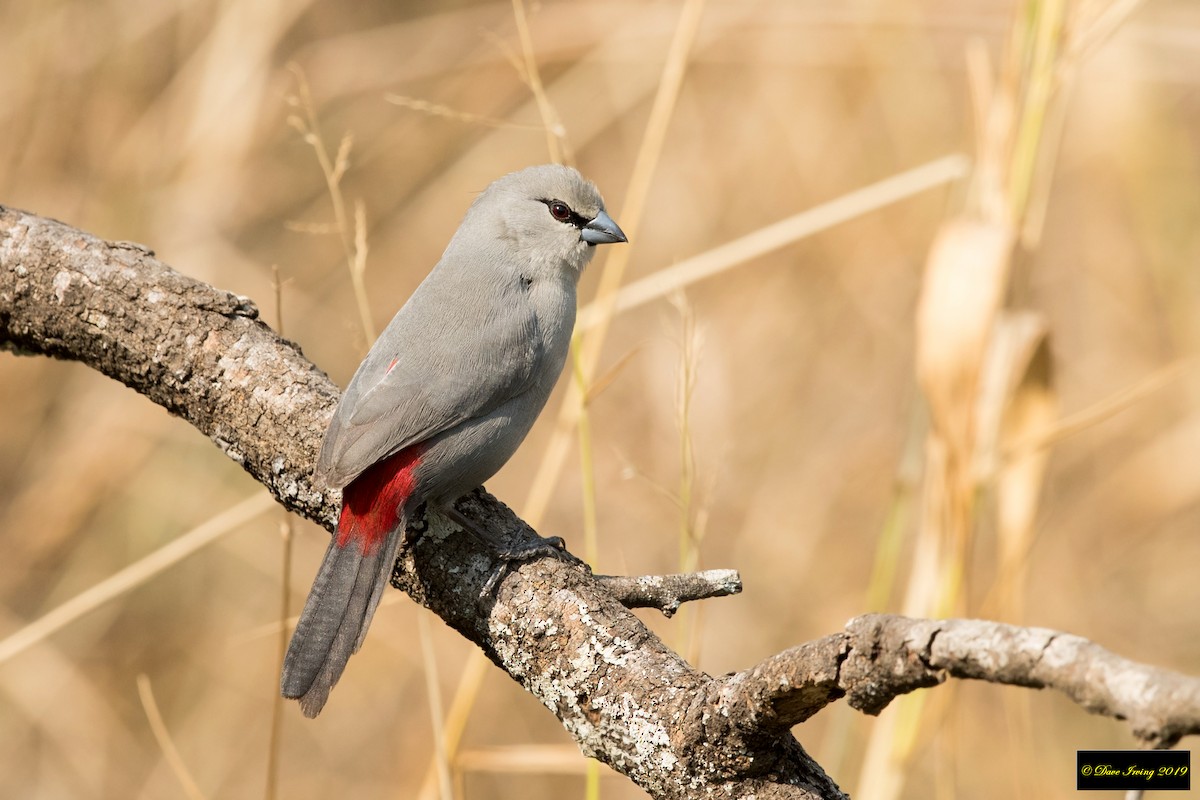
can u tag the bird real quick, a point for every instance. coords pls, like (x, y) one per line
(445, 396)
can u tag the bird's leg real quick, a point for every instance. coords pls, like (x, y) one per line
(417, 525)
(508, 554)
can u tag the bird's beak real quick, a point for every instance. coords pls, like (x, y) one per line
(602, 230)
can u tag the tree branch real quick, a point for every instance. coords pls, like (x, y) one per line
(626, 698)
(880, 657)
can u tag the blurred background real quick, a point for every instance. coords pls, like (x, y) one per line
(967, 390)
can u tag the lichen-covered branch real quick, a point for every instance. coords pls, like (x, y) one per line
(881, 657)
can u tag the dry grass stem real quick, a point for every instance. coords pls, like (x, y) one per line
(614, 269)
(354, 241)
(165, 743)
(685, 388)
(1087, 35)
(275, 740)
(135, 574)
(556, 133)
(433, 692)
(1020, 360)
(1097, 412)
(311, 228)
(469, 684)
(605, 379)
(777, 235)
(587, 469)
(466, 117)
(524, 759)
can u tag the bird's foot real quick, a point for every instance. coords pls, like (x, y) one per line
(553, 546)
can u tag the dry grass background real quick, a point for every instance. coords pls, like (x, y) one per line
(812, 466)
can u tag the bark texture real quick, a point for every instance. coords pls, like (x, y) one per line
(562, 633)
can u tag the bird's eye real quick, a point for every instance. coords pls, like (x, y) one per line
(560, 210)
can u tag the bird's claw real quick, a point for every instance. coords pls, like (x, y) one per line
(553, 546)
(508, 555)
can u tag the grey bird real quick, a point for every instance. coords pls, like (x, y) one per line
(445, 396)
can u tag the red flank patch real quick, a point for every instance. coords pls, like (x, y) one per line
(372, 501)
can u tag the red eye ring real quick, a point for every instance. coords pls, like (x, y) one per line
(560, 210)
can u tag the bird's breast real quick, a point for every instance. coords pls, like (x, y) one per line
(552, 311)
(469, 454)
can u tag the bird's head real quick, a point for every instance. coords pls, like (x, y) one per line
(549, 215)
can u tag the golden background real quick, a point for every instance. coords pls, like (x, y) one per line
(808, 467)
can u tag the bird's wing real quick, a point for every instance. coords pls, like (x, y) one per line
(445, 358)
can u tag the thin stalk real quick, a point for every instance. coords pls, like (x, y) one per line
(158, 727)
(285, 592)
(353, 239)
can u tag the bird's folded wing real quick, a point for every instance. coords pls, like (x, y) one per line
(431, 369)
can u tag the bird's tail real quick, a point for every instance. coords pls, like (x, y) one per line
(336, 616)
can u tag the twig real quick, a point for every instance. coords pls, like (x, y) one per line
(668, 592)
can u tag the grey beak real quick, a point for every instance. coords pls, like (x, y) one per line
(602, 230)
